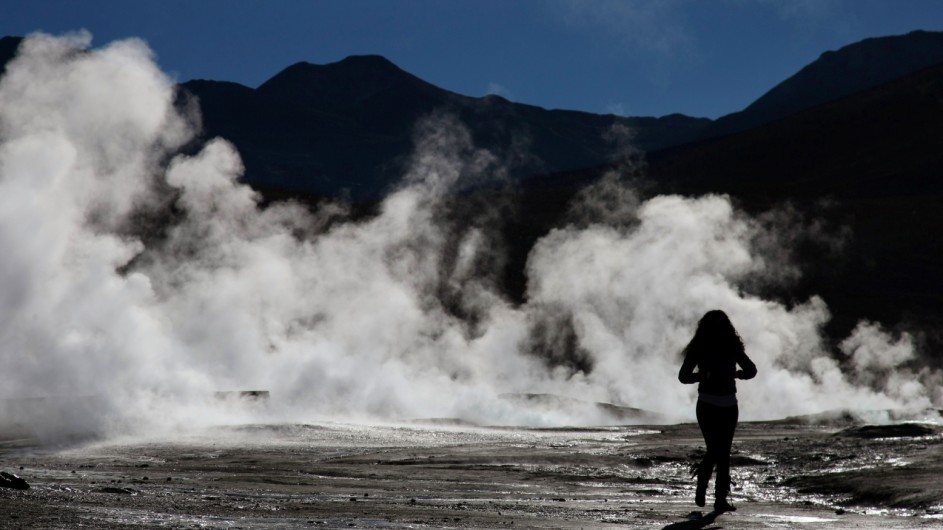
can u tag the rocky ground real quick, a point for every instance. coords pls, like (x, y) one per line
(449, 475)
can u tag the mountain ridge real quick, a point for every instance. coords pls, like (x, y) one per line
(835, 74)
(346, 82)
(345, 128)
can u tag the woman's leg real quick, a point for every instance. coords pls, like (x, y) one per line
(726, 421)
(706, 421)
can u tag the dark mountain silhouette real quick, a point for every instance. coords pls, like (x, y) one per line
(877, 158)
(853, 68)
(347, 127)
(867, 168)
(869, 164)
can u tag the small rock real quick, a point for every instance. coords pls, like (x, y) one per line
(839, 512)
(121, 491)
(9, 480)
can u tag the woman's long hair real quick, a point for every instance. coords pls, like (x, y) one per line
(715, 337)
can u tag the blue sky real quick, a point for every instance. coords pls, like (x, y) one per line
(630, 57)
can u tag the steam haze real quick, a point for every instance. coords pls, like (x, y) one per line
(392, 317)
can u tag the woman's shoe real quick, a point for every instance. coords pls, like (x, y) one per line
(721, 506)
(702, 480)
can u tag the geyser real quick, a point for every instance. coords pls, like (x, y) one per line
(345, 317)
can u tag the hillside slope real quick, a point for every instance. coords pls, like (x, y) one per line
(876, 158)
(835, 74)
(347, 127)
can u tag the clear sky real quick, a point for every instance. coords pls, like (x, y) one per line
(630, 57)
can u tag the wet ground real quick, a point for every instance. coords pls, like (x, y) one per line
(445, 475)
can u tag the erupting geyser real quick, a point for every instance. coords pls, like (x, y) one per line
(147, 280)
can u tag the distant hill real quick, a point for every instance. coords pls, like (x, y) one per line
(876, 158)
(346, 127)
(870, 163)
(836, 74)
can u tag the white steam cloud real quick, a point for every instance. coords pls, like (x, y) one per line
(389, 317)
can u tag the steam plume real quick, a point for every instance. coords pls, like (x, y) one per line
(394, 316)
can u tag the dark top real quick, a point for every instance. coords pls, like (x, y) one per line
(716, 373)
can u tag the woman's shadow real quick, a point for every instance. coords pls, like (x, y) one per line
(696, 521)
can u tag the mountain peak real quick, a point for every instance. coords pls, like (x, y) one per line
(352, 66)
(344, 83)
(353, 69)
(366, 61)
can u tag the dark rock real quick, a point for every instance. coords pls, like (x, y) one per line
(9, 480)
(120, 491)
(901, 430)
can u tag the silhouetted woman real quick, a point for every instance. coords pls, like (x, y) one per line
(715, 351)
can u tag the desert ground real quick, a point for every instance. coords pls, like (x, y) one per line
(447, 474)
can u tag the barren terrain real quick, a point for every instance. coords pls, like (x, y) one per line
(447, 474)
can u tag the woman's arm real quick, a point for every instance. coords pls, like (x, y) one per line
(687, 374)
(748, 369)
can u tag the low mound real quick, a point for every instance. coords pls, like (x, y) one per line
(900, 430)
(592, 411)
(850, 418)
